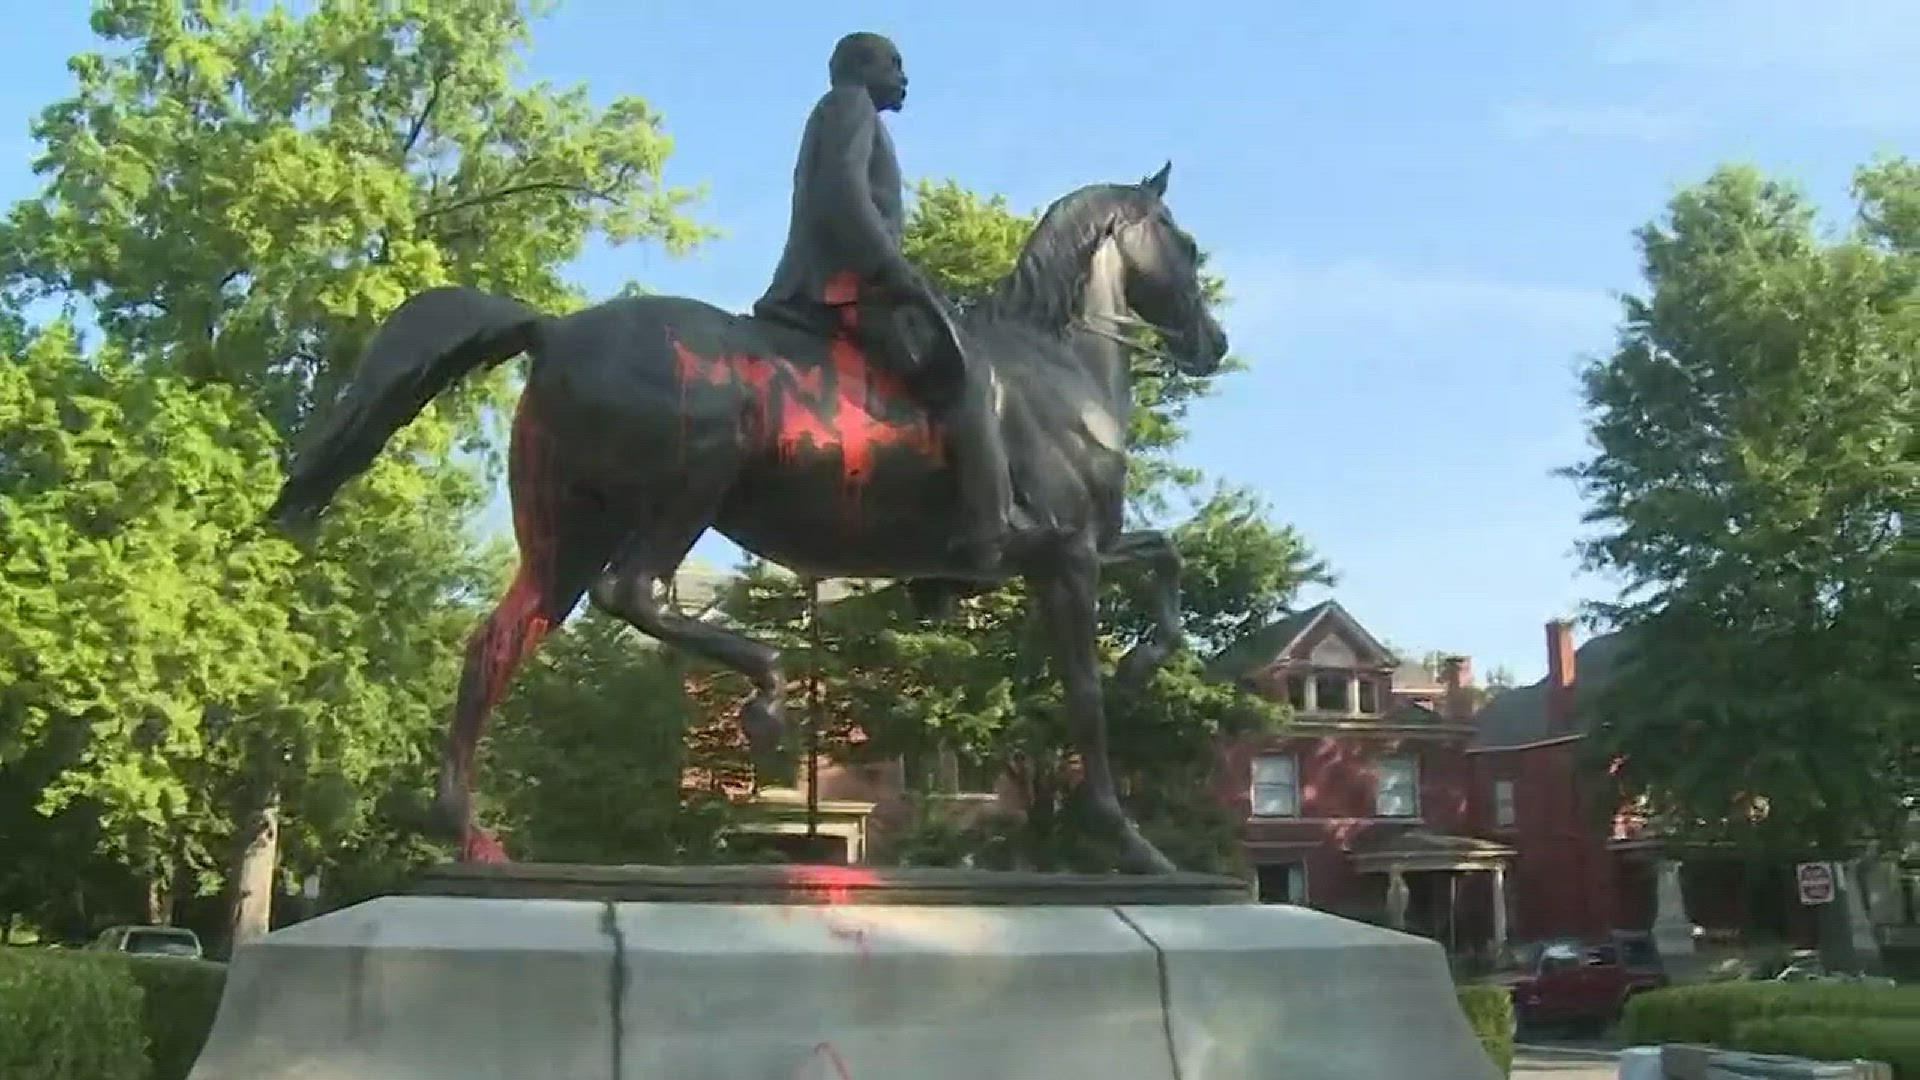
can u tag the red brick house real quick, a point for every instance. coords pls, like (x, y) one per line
(1365, 804)
(1391, 797)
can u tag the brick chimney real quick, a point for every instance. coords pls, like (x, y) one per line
(1560, 677)
(1456, 674)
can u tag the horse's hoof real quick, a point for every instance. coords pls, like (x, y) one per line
(766, 728)
(445, 819)
(481, 846)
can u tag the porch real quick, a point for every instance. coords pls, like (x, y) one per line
(1452, 889)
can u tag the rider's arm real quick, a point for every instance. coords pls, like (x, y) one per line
(846, 123)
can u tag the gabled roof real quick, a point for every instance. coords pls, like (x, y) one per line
(1274, 641)
(1412, 712)
(1519, 716)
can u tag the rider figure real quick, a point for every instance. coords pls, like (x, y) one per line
(843, 269)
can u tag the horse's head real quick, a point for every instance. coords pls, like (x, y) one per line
(1163, 283)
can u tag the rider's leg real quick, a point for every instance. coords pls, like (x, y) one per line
(980, 461)
(912, 343)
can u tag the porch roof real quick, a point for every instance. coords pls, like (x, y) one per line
(1423, 849)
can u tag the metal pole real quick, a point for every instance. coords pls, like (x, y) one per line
(814, 703)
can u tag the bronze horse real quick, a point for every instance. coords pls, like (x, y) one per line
(647, 421)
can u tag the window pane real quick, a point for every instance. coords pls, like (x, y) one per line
(1398, 793)
(1369, 697)
(1503, 811)
(1330, 692)
(1276, 786)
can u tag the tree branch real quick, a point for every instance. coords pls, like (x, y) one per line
(510, 191)
(426, 112)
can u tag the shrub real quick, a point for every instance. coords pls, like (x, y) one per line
(180, 998)
(1490, 1010)
(68, 1016)
(1835, 1038)
(1709, 1014)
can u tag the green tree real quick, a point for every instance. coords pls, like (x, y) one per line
(1756, 470)
(134, 593)
(589, 758)
(238, 198)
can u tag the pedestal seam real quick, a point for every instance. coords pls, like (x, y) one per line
(1166, 990)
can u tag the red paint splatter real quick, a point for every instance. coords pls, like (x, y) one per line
(833, 884)
(864, 410)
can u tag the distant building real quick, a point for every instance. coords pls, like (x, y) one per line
(1364, 804)
(1392, 798)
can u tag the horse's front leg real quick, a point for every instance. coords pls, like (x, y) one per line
(1067, 591)
(1154, 550)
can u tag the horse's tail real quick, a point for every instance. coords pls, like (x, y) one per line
(429, 343)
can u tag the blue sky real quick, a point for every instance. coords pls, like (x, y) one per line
(1422, 210)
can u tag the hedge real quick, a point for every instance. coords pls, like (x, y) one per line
(1490, 1010)
(70, 1015)
(179, 1000)
(1835, 1038)
(1710, 1013)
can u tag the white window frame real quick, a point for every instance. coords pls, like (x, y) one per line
(1506, 811)
(1255, 784)
(1380, 786)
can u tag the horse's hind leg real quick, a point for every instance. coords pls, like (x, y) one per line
(626, 590)
(494, 652)
(563, 542)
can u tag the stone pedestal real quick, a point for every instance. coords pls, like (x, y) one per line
(788, 974)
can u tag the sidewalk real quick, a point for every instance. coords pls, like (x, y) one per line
(1550, 1064)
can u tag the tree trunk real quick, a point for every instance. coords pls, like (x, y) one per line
(160, 899)
(258, 844)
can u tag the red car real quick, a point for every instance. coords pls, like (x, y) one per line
(1573, 983)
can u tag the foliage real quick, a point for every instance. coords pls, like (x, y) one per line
(236, 196)
(1489, 1010)
(587, 759)
(1709, 1013)
(1836, 1038)
(1757, 462)
(69, 1016)
(178, 1000)
(133, 594)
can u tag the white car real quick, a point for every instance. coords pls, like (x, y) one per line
(150, 941)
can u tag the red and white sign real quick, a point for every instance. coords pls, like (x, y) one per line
(1816, 882)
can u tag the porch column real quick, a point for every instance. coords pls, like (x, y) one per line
(1396, 898)
(1866, 944)
(1353, 695)
(1672, 929)
(1499, 873)
(1311, 701)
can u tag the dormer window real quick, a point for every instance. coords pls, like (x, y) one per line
(1330, 693)
(1297, 691)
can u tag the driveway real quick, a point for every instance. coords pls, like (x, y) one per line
(1546, 1064)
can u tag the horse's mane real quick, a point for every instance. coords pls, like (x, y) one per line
(1045, 285)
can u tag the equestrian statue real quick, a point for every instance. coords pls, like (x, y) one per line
(854, 425)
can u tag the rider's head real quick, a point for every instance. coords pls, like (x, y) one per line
(870, 62)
